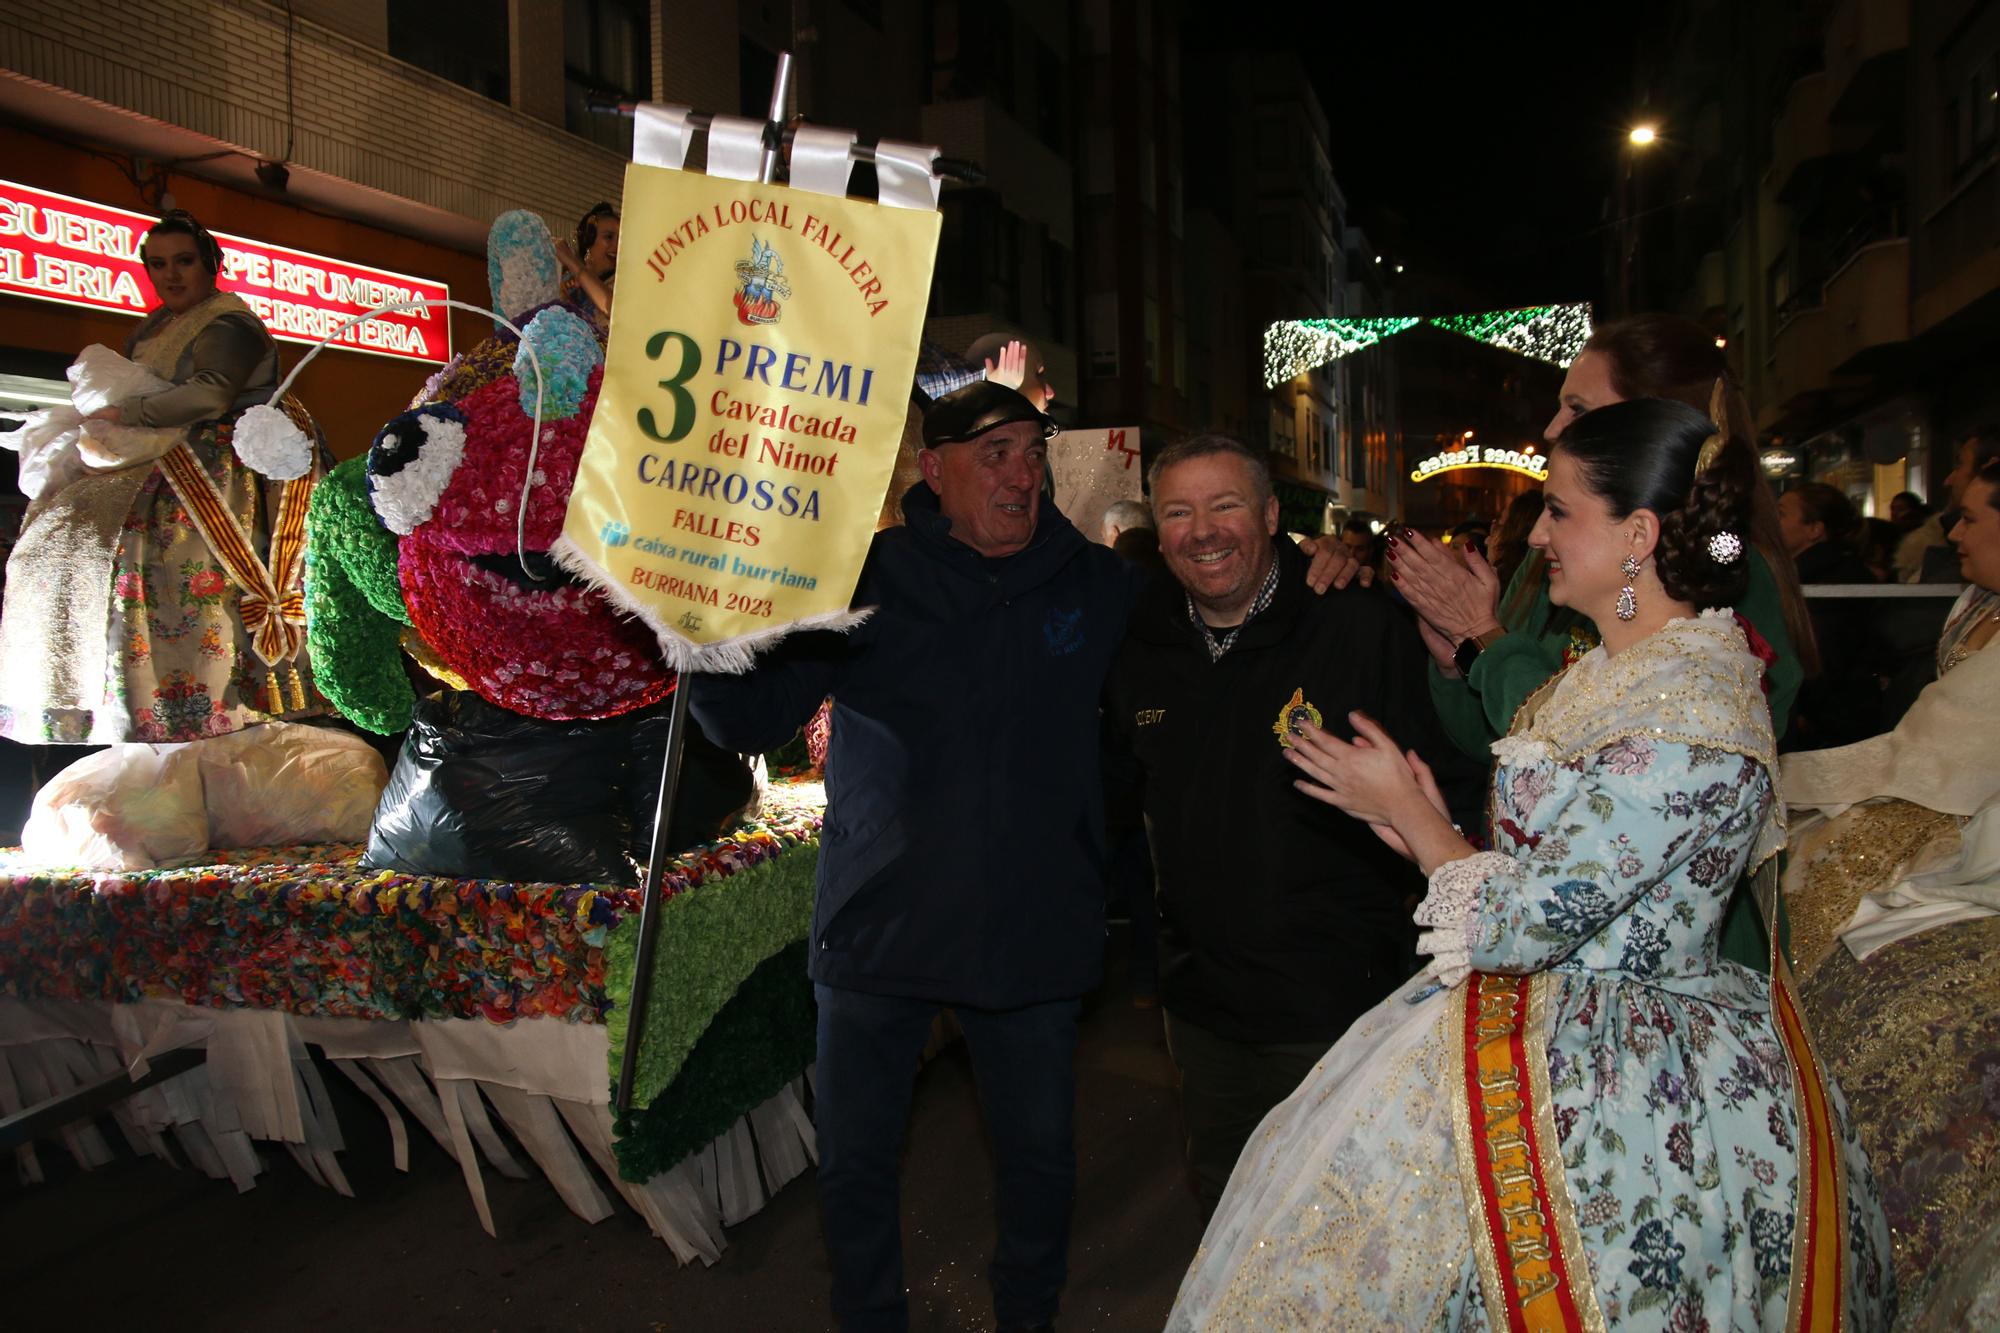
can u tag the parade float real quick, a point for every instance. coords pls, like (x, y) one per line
(507, 946)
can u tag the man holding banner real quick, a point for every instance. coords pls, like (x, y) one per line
(961, 862)
(756, 380)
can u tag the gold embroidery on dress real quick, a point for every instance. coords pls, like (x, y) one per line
(1915, 1017)
(1871, 845)
(1352, 1221)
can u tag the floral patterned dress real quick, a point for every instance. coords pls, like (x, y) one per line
(1672, 1098)
(171, 661)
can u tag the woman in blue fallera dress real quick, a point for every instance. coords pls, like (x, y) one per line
(1579, 1116)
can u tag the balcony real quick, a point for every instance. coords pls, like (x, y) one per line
(1957, 260)
(1032, 178)
(1796, 375)
(1867, 42)
(1868, 306)
(1802, 142)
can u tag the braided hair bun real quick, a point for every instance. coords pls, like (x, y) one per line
(180, 222)
(1644, 454)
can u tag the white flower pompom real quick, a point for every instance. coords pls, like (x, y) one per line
(270, 443)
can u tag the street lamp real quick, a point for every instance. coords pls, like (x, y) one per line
(1631, 199)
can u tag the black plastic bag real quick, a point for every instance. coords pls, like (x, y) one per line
(715, 784)
(480, 792)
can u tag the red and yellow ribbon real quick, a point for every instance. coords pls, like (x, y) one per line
(1819, 1227)
(1524, 1238)
(271, 599)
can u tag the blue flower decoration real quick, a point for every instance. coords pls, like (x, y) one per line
(521, 267)
(1644, 947)
(568, 352)
(1656, 1256)
(1580, 908)
(1771, 1243)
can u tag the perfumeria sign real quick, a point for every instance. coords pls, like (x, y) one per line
(1524, 461)
(77, 253)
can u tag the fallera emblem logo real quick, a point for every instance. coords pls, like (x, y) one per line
(615, 533)
(760, 285)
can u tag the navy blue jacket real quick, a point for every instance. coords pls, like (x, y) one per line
(962, 859)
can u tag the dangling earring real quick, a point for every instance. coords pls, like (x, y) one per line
(1628, 601)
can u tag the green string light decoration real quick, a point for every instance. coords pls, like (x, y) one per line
(1551, 333)
(1297, 345)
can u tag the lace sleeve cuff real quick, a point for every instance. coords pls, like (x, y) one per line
(1451, 911)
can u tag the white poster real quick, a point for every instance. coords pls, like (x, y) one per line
(1092, 468)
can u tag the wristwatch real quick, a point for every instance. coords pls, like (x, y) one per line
(1469, 649)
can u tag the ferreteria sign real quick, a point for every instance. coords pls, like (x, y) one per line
(755, 389)
(77, 253)
(1524, 461)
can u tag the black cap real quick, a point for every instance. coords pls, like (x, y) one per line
(967, 413)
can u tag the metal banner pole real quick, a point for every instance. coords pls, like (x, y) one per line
(670, 772)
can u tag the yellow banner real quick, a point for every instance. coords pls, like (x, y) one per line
(762, 347)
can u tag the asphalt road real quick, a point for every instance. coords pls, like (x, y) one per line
(140, 1244)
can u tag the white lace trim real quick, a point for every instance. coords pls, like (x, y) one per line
(1451, 910)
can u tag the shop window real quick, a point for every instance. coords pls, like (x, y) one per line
(604, 47)
(453, 39)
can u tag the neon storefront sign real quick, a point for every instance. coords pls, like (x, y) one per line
(77, 253)
(1524, 461)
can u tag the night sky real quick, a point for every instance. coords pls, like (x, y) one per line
(1483, 148)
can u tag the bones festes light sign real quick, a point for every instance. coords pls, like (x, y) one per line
(1525, 461)
(74, 252)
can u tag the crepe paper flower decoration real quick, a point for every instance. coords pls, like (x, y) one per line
(422, 547)
(568, 351)
(411, 462)
(521, 267)
(518, 629)
(307, 930)
(430, 393)
(270, 443)
(354, 605)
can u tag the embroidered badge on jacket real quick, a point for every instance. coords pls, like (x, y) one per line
(1062, 632)
(1293, 717)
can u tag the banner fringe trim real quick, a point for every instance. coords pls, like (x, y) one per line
(731, 657)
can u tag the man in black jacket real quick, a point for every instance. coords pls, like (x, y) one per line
(962, 858)
(1281, 920)
(961, 862)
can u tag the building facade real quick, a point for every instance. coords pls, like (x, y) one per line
(1825, 195)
